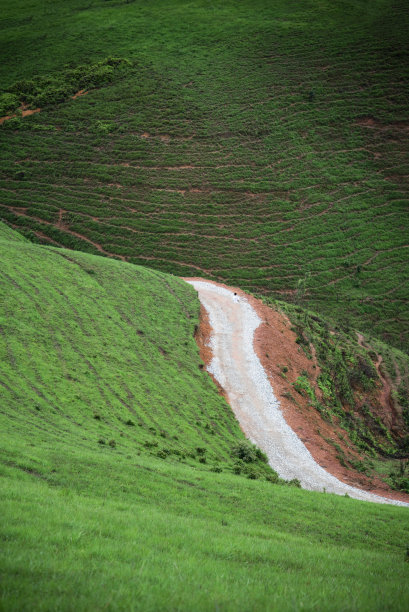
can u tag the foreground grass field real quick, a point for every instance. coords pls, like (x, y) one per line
(118, 491)
(135, 534)
(259, 143)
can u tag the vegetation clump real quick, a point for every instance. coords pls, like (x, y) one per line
(43, 91)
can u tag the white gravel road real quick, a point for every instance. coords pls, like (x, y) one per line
(237, 368)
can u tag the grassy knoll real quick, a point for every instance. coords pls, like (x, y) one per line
(99, 374)
(121, 533)
(253, 142)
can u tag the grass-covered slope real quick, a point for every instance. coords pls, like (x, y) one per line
(253, 142)
(98, 365)
(103, 353)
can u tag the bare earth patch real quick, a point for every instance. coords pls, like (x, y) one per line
(79, 93)
(373, 123)
(25, 112)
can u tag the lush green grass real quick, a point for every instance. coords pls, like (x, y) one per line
(256, 142)
(105, 351)
(131, 534)
(121, 526)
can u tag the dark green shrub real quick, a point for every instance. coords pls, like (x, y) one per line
(245, 451)
(294, 483)
(399, 477)
(8, 103)
(273, 477)
(43, 91)
(150, 444)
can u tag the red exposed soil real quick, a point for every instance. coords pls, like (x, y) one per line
(276, 347)
(79, 93)
(202, 336)
(373, 123)
(25, 112)
(30, 111)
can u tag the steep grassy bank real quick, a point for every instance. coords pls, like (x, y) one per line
(256, 143)
(104, 351)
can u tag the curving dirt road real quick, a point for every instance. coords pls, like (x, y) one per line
(238, 370)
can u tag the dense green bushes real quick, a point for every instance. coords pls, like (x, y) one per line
(214, 151)
(46, 90)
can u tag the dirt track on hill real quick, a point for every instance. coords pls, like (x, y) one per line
(237, 369)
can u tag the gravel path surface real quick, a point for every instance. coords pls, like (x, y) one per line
(238, 370)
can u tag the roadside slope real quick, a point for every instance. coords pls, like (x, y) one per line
(239, 372)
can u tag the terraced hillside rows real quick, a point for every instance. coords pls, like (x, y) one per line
(260, 144)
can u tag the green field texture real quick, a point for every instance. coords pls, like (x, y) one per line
(254, 142)
(105, 352)
(96, 350)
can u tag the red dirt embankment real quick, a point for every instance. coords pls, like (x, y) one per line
(283, 361)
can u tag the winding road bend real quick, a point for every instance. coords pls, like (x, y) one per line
(238, 370)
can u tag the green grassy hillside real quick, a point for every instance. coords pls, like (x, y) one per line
(105, 352)
(112, 440)
(253, 142)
